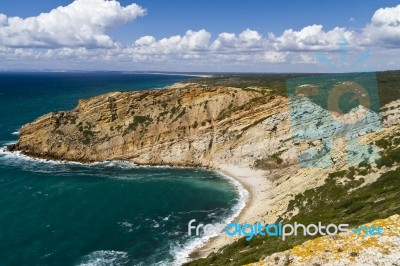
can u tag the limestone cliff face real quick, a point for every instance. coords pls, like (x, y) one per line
(190, 125)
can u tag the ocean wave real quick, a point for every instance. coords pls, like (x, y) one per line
(6, 143)
(15, 133)
(125, 224)
(105, 258)
(17, 155)
(103, 169)
(166, 218)
(181, 252)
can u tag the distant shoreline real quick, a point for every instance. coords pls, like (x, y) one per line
(172, 74)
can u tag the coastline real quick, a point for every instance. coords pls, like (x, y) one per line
(257, 187)
(251, 184)
(254, 207)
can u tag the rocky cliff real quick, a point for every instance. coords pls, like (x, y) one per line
(191, 125)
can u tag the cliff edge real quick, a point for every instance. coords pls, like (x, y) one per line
(192, 125)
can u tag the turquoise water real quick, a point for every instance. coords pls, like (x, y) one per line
(106, 213)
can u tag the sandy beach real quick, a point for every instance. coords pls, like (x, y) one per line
(255, 209)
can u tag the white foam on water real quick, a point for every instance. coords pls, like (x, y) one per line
(125, 224)
(156, 225)
(18, 156)
(8, 143)
(166, 218)
(15, 133)
(181, 253)
(105, 258)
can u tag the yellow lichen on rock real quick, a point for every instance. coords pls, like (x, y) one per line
(351, 249)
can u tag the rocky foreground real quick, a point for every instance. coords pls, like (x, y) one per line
(343, 250)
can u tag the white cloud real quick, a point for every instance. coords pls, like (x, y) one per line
(311, 38)
(191, 42)
(145, 41)
(3, 20)
(275, 57)
(225, 40)
(250, 35)
(78, 33)
(384, 28)
(82, 23)
(248, 39)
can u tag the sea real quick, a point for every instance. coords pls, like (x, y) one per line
(103, 213)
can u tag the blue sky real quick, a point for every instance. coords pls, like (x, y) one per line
(167, 18)
(310, 26)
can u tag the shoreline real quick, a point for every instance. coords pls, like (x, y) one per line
(257, 186)
(251, 184)
(184, 255)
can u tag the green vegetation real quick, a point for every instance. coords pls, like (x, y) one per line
(390, 158)
(388, 83)
(273, 82)
(179, 115)
(164, 105)
(388, 86)
(243, 130)
(174, 109)
(330, 203)
(257, 101)
(138, 120)
(271, 162)
(105, 138)
(391, 147)
(341, 199)
(161, 116)
(88, 136)
(72, 119)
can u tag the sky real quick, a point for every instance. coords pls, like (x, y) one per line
(200, 36)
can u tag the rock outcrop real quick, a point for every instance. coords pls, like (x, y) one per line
(353, 249)
(191, 126)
